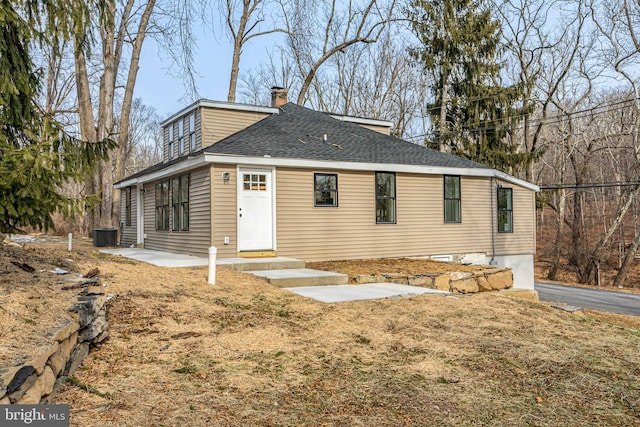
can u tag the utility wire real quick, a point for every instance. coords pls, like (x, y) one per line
(587, 186)
(547, 120)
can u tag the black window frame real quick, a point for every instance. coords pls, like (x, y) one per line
(180, 187)
(170, 137)
(508, 210)
(181, 147)
(127, 207)
(452, 201)
(385, 199)
(192, 132)
(317, 190)
(175, 203)
(162, 205)
(185, 188)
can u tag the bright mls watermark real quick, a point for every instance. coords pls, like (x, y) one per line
(34, 415)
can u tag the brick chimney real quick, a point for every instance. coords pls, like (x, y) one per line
(278, 96)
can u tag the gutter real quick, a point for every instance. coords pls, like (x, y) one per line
(201, 160)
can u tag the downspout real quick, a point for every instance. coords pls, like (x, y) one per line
(493, 232)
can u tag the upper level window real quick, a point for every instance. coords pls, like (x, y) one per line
(325, 189)
(385, 198)
(181, 137)
(192, 132)
(452, 202)
(505, 210)
(170, 141)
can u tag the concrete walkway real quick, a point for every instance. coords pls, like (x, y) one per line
(342, 293)
(329, 294)
(159, 258)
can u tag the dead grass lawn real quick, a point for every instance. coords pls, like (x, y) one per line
(242, 353)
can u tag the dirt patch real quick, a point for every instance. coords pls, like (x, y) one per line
(182, 352)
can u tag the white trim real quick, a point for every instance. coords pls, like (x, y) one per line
(272, 172)
(220, 105)
(272, 162)
(387, 167)
(189, 164)
(363, 121)
(140, 214)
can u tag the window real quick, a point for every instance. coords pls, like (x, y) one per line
(127, 207)
(175, 203)
(180, 203)
(254, 182)
(505, 210)
(184, 201)
(162, 205)
(192, 132)
(385, 198)
(181, 137)
(452, 201)
(325, 189)
(171, 140)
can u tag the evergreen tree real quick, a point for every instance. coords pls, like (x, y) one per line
(472, 111)
(37, 157)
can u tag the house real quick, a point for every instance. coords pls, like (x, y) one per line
(287, 180)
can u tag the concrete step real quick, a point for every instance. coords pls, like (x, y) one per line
(292, 278)
(257, 264)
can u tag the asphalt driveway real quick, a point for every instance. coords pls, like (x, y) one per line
(596, 299)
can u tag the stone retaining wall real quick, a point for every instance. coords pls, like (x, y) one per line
(491, 279)
(35, 381)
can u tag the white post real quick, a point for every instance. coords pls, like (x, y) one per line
(70, 241)
(212, 265)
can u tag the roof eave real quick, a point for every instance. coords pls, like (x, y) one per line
(220, 105)
(361, 166)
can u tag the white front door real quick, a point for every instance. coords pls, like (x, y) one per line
(255, 210)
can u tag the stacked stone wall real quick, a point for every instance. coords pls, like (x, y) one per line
(37, 380)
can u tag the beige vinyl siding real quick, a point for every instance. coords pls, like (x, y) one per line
(224, 205)
(197, 240)
(128, 234)
(218, 124)
(350, 232)
(380, 129)
(523, 238)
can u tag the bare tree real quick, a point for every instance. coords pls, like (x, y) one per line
(618, 23)
(244, 21)
(318, 30)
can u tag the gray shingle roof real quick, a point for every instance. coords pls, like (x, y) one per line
(297, 133)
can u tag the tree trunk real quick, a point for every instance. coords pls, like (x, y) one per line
(442, 146)
(621, 277)
(124, 145)
(557, 252)
(235, 69)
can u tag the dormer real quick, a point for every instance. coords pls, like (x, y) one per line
(205, 122)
